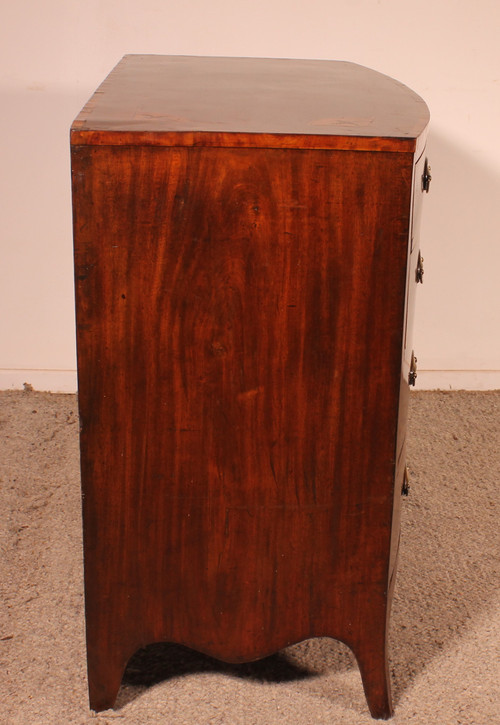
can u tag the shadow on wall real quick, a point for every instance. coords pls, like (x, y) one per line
(457, 312)
(36, 274)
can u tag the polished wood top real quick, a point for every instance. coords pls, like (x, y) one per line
(250, 102)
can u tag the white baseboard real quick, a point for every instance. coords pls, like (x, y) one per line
(65, 381)
(458, 380)
(53, 381)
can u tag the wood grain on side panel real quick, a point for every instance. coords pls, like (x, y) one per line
(239, 322)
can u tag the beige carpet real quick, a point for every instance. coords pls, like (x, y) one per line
(445, 634)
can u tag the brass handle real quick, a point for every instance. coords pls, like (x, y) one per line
(412, 376)
(420, 269)
(405, 488)
(426, 177)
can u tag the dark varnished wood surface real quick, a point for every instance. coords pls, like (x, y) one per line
(240, 318)
(411, 289)
(251, 102)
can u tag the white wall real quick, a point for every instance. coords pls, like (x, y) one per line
(54, 53)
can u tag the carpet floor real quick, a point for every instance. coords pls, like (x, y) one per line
(445, 626)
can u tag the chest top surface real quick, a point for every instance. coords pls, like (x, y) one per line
(256, 102)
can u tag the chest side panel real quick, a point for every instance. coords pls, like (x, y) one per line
(240, 323)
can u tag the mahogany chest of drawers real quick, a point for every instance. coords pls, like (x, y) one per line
(246, 254)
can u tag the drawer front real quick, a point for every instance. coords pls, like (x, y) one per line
(415, 263)
(408, 368)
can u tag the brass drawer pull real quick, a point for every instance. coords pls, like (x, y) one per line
(420, 269)
(412, 376)
(405, 488)
(426, 177)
